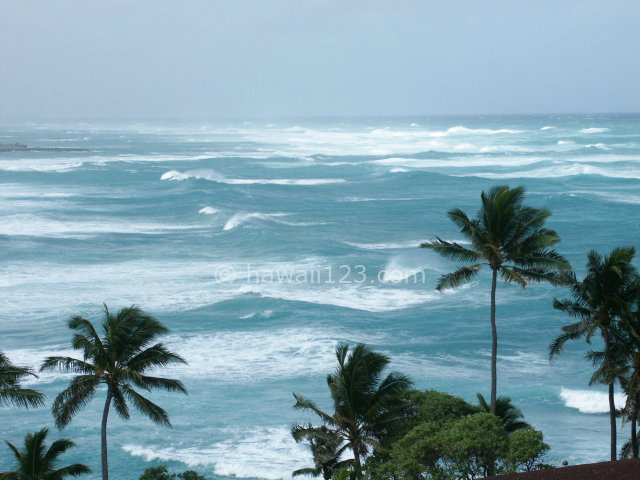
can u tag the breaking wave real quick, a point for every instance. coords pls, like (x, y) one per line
(213, 176)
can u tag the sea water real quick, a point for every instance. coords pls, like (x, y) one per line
(206, 224)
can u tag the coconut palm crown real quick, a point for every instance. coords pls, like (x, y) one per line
(326, 447)
(37, 462)
(366, 404)
(511, 416)
(120, 360)
(510, 239)
(597, 304)
(11, 392)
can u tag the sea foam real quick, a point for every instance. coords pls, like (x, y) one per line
(594, 130)
(589, 401)
(268, 453)
(213, 176)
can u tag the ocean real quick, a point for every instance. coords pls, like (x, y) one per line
(263, 243)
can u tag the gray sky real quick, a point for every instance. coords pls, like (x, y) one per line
(192, 58)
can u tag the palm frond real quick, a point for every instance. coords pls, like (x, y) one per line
(67, 365)
(156, 356)
(73, 398)
(458, 278)
(452, 250)
(147, 407)
(305, 404)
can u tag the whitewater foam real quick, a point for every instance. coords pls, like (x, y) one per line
(268, 453)
(589, 401)
(213, 176)
(593, 130)
(561, 170)
(243, 217)
(208, 210)
(38, 226)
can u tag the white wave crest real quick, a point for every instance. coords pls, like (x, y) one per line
(243, 217)
(213, 176)
(461, 130)
(594, 130)
(565, 170)
(386, 246)
(589, 401)
(358, 297)
(401, 267)
(547, 128)
(37, 226)
(208, 210)
(65, 164)
(458, 162)
(599, 146)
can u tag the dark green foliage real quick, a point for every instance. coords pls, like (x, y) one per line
(11, 393)
(472, 446)
(326, 447)
(366, 404)
(37, 462)
(433, 406)
(510, 415)
(162, 473)
(449, 439)
(157, 473)
(526, 450)
(190, 475)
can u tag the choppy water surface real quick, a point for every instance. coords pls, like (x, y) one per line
(201, 223)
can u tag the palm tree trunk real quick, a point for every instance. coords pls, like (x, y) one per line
(494, 343)
(105, 415)
(356, 463)
(612, 420)
(634, 434)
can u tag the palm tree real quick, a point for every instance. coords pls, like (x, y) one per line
(366, 405)
(120, 360)
(598, 302)
(630, 378)
(326, 447)
(511, 416)
(509, 238)
(630, 411)
(36, 462)
(11, 393)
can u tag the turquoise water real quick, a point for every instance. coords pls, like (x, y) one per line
(194, 222)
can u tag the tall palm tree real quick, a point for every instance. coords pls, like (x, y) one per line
(630, 378)
(120, 360)
(366, 405)
(511, 416)
(11, 393)
(598, 302)
(326, 447)
(512, 241)
(37, 462)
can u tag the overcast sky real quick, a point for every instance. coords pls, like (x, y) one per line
(209, 58)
